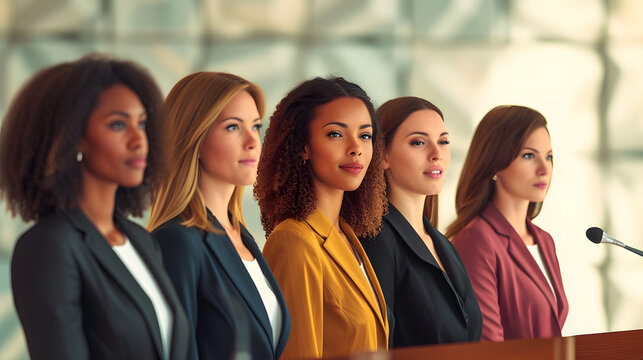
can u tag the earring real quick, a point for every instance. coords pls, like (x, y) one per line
(495, 177)
(79, 156)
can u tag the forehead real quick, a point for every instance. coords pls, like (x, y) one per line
(428, 121)
(539, 138)
(344, 109)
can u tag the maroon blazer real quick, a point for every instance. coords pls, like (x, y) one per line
(514, 296)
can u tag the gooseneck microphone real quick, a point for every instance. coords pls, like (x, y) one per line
(597, 236)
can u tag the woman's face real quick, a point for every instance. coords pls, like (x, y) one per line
(418, 156)
(340, 146)
(231, 150)
(114, 145)
(528, 176)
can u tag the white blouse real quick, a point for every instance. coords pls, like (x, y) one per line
(533, 249)
(267, 297)
(136, 266)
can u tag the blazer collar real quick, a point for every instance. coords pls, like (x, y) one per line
(115, 267)
(228, 257)
(519, 252)
(343, 257)
(418, 247)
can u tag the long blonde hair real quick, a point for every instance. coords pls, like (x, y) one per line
(189, 111)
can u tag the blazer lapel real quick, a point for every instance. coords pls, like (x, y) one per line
(177, 345)
(342, 256)
(519, 252)
(417, 245)
(117, 270)
(265, 269)
(227, 255)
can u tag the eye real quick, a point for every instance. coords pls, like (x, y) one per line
(118, 125)
(257, 127)
(417, 143)
(366, 136)
(142, 124)
(444, 142)
(550, 158)
(232, 127)
(528, 155)
(334, 134)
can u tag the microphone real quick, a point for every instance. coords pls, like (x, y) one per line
(597, 236)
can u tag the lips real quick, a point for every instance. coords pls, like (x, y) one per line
(137, 162)
(435, 172)
(541, 185)
(352, 168)
(249, 162)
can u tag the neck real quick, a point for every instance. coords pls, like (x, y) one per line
(216, 196)
(411, 206)
(329, 202)
(97, 200)
(514, 210)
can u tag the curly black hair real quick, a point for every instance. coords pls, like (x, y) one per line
(45, 123)
(284, 187)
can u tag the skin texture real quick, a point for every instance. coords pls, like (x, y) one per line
(419, 146)
(231, 151)
(114, 145)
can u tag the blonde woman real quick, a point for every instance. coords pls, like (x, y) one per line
(233, 302)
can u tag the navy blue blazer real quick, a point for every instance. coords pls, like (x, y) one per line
(77, 300)
(429, 306)
(224, 308)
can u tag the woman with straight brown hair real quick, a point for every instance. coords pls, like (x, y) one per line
(233, 302)
(423, 278)
(512, 263)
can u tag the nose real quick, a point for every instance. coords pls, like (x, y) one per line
(137, 138)
(434, 152)
(251, 139)
(354, 147)
(544, 167)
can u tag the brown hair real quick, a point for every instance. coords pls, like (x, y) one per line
(45, 123)
(284, 185)
(390, 116)
(190, 110)
(495, 144)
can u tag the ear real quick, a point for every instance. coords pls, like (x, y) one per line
(385, 162)
(306, 154)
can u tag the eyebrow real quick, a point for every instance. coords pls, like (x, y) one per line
(534, 150)
(125, 114)
(425, 134)
(364, 126)
(239, 119)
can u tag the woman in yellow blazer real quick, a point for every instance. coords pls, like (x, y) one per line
(320, 185)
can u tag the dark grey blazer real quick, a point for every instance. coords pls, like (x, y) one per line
(224, 308)
(77, 300)
(429, 306)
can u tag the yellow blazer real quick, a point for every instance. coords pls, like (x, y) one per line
(334, 310)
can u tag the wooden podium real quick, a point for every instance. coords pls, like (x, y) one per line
(610, 345)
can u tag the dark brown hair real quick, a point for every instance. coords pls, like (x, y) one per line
(284, 185)
(43, 127)
(496, 143)
(389, 117)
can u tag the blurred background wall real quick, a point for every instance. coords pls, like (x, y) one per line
(579, 62)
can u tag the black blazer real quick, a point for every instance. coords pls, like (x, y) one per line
(224, 308)
(77, 300)
(429, 307)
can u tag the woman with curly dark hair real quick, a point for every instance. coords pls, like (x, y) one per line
(79, 148)
(320, 185)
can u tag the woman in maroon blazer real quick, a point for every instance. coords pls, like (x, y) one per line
(511, 262)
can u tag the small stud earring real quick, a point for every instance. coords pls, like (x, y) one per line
(495, 177)
(79, 156)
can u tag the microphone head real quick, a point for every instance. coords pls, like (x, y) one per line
(594, 234)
